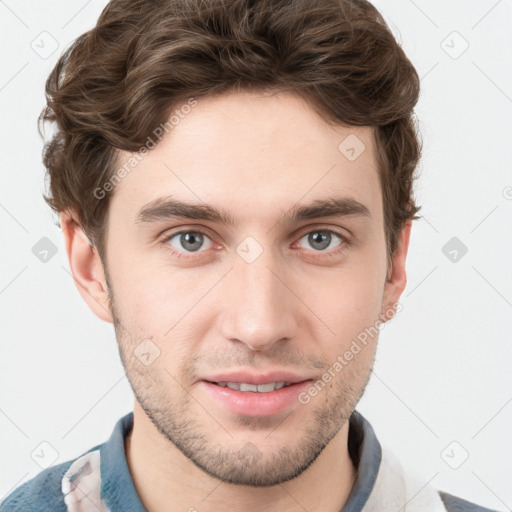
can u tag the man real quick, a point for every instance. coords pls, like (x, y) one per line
(234, 183)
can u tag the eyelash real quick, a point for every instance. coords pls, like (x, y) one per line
(345, 243)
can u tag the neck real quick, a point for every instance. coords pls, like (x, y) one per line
(162, 475)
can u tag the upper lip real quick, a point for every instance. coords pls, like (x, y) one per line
(257, 378)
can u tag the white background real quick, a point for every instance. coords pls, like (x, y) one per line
(443, 364)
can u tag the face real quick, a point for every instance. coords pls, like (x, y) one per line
(271, 279)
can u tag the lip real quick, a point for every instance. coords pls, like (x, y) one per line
(248, 403)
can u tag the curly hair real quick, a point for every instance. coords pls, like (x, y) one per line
(121, 79)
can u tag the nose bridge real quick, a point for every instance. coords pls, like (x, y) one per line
(259, 307)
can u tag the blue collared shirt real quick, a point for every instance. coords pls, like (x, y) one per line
(43, 493)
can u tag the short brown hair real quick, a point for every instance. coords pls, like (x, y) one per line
(121, 79)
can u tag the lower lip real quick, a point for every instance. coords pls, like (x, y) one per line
(248, 403)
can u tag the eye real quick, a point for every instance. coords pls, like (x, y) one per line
(188, 241)
(322, 239)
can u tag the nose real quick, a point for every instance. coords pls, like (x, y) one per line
(258, 304)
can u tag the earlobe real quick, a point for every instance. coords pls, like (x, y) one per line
(86, 267)
(396, 280)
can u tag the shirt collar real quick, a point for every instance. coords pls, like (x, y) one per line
(119, 493)
(366, 453)
(117, 487)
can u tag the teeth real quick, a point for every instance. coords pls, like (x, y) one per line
(248, 387)
(255, 388)
(273, 386)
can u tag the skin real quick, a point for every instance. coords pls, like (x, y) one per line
(293, 308)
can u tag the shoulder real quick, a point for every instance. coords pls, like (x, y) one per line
(455, 504)
(43, 493)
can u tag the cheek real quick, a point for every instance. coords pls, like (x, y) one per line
(356, 292)
(169, 307)
(150, 293)
(348, 304)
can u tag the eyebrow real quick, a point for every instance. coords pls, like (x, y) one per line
(166, 208)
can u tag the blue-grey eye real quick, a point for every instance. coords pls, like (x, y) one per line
(321, 240)
(190, 241)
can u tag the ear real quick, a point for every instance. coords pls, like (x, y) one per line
(86, 267)
(396, 279)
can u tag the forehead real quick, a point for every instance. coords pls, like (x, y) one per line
(255, 153)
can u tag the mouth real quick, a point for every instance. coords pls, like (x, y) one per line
(254, 399)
